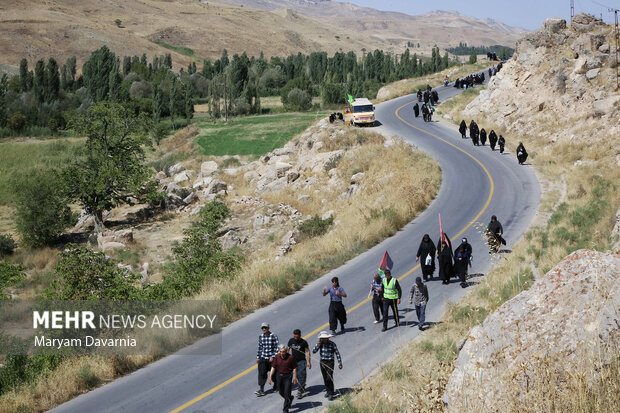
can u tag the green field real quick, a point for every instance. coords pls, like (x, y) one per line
(19, 157)
(253, 135)
(180, 49)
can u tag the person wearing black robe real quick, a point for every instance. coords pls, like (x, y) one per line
(494, 233)
(416, 110)
(463, 129)
(492, 139)
(435, 96)
(462, 260)
(419, 95)
(501, 142)
(426, 251)
(427, 97)
(521, 153)
(473, 132)
(457, 83)
(483, 136)
(425, 112)
(468, 249)
(490, 72)
(446, 267)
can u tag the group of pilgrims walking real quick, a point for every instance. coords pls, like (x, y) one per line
(479, 138)
(285, 366)
(430, 98)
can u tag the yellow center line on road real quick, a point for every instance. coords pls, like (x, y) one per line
(307, 336)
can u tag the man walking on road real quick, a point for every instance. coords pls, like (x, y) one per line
(328, 350)
(267, 349)
(300, 349)
(336, 308)
(391, 298)
(377, 297)
(419, 298)
(285, 369)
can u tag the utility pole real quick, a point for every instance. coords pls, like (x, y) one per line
(617, 50)
(572, 10)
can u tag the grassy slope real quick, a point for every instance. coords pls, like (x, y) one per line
(575, 213)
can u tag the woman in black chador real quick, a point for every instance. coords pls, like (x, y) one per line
(416, 110)
(492, 139)
(426, 253)
(483, 136)
(463, 129)
(501, 142)
(446, 267)
(521, 153)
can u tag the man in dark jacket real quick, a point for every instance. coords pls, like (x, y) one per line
(426, 250)
(391, 298)
(467, 246)
(284, 369)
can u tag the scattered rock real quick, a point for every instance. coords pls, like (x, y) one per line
(111, 246)
(216, 186)
(303, 198)
(181, 177)
(231, 171)
(282, 168)
(604, 48)
(124, 236)
(144, 273)
(592, 74)
(175, 169)
(160, 176)
(329, 214)
(605, 106)
(292, 176)
(172, 188)
(357, 178)
(615, 232)
(260, 220)
(190, 198)
(202, 183)
(208, 168)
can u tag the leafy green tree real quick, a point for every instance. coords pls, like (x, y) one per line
(114, 86)
(39, 81)
(299, 100)
(42, 211)
(52, 80)
(67, 74)
(7, 245)
(84, 274)
(96, 73)
(4, 87)
(158, 104)
(172, 99)
(113, 169)
(168, 61)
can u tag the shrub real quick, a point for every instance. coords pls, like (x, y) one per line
(241, 107)
(84, 274)
(7, 245)
(299, 100)
(9, 275)
(313, 227)
(42, 208)
(17, 122)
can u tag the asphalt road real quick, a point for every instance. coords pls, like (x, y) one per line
(477, 183)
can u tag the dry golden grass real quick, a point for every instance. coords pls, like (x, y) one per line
(408, 86)
(415, 380)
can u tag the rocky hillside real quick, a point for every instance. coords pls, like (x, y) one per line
(560, 86)
(566, 323)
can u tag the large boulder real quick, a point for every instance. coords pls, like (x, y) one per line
(124, 236)
(604, 106)
(554, 25)
(569, 312)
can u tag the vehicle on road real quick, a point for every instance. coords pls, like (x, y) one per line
(360, 112)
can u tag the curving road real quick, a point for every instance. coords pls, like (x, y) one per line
(476, 184)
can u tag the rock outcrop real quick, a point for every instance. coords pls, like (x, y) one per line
(563, 75)
(569, 312)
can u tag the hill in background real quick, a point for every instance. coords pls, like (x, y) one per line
(193, 30)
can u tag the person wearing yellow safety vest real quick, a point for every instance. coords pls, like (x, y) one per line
(391, 298)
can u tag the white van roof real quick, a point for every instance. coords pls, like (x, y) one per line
(361, 101)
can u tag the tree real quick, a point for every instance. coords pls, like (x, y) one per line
(473, 57)
(4, 87)
(67, 79)
(96, 73)
(23, 74)
(52, 80)
(39, 81)
(299, 100)
(42, 211)
(172, 99)
(114, 83)
(113, 169)
(189, 103)
(158, 104)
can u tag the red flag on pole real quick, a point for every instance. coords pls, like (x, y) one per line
(386, 264)
(442, 235)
